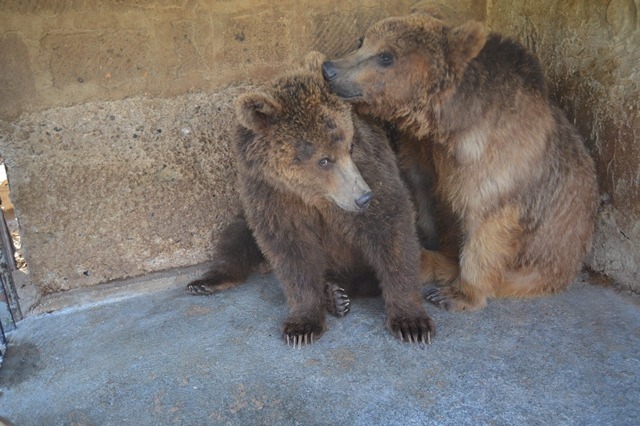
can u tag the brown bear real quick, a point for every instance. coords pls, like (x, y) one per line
(511, 170)
(323, 198)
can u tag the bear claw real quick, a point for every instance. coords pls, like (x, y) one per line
(436, 297)
(338, 302)
(415, 338)
(197, 288)
(299, 340)
(299, 333)
(205, 287)
(451, 300)
(413, 330)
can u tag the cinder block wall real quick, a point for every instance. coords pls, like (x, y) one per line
(115, 116)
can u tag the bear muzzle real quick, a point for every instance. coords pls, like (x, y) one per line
(329, 71)
(349, 190)
(365, 200)
(339, 83)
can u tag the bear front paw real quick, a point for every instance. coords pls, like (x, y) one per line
(302, 332)
(452, 300)
(417, 329)
(337, 301)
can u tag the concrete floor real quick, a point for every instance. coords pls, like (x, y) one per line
(165, 357)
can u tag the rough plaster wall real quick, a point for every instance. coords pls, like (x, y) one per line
(121, 188)
(63, 52)
(455, 12)
(115, 119)
(590, 50)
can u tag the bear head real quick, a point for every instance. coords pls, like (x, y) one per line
(299, 136)
(405, 66)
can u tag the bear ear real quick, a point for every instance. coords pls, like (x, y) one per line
(313, 61)
(465, 43)
(256, 110)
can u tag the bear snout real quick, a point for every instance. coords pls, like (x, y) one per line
(341, 82)
(364, 201)
(329, 71)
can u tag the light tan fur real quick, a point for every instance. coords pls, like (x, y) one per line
(510, 170)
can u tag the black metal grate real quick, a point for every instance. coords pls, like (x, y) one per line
(9, 307)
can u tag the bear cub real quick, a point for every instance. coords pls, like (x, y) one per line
(510, 168)
(323, 199)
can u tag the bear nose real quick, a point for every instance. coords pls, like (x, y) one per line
(329, 70)
(364, 201)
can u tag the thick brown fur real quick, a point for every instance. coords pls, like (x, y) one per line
(323, 197)
(513, 173)
(236, 257)
(420, 179)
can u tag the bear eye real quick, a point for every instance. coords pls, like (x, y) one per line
(360, 42)
(351, 149)
(386, 59)
(330, 124)
(325, 163)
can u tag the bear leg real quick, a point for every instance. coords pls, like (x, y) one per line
(238, 256)
(437, 267)
(488, 253)
(306, 321)
(395, 260)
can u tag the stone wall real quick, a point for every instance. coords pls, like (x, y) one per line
(115, 116)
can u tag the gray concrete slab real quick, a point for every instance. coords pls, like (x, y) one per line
(170, 358)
